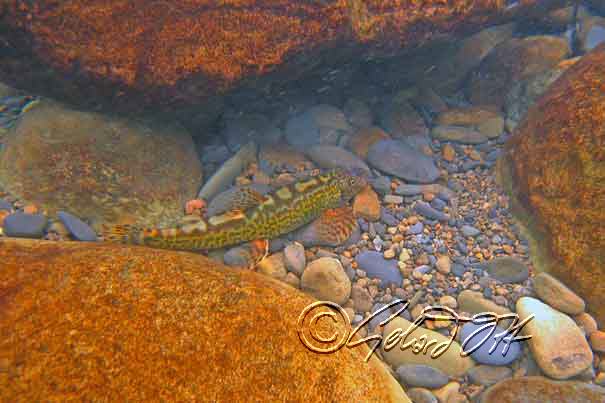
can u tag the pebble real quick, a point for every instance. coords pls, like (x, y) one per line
(326, 280)
(78, 228)
(294, 258)
(487, 375)
(329, 157)
(273, 266)
(5, 205)
(376, 266)
(474, 303)
(422, 376)
(427, 211)
(367, 205)
(396, 158)
(597, 341)
(416, 229)
(421, 395)
(473, 335)
(469, 231)
(21, 225)
(443, 264)
(507, 270)
(586, 322)
(450, 362)
(557, 295)
(393, 199)
(362, 300)
(458, 134)
(557, 343)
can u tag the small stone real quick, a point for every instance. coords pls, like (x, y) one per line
(586, 323)
(597, 341)
(294, 258)
(447, 392)
(397, 158)
(557, 343)
(393, 199)
(427, 211)
(5, 205)
(507, 270)
(362, 300)
(194, 205)
(30, 209)
(326, 280)
(487, 375)
(473, 302)
(21, 225)
(448, 301)
(421, 395)
(367, 205)
(292, 279)
(458, 134)
(443, 264)
(469, 231)
(389, 254)
(376, 266)
(448, 153)
(273, 266)
(77, 228)
(421, 376)
(490, 351)
(558, 295)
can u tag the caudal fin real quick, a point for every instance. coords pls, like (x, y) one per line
(123, 233)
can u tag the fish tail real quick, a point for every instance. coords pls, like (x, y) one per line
(121, 233)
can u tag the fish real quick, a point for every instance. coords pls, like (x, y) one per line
(258, 217)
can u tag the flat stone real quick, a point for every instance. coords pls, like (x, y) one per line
(77, 228)
(366, 204)
(450, 362)
(320, 124)
(502, 354)
(376, 266)
(329, 157)
(507, 270)
(429, 212)
(421, 395)
(557, 294)
(326, 280)
(487, 375)
(21, 225)
(557, 343)
(396, 158)
(469, 231)
(473, 302)
(421, 376)
(273, 266)
(458, 134)
(537, 389)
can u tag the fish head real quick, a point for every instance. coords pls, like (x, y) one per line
(350, 182)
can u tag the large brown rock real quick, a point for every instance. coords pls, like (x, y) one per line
(557, 162)
(105, 323)
(512, 61)
(101, 168)
(177, 51)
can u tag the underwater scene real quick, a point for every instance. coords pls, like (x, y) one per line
(302, 201)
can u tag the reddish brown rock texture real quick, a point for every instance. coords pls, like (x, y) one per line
(557, 156)
(186, 50)
(99, 322)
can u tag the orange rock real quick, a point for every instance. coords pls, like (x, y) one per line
(3, 215)
(597, 341)
(556, 160)
(30, 209)
(448, 152)
(174, 51)
(367, 205)
(194, 205)
(364, 138)
(101, 322)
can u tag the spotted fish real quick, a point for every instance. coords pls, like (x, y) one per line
(261, 217)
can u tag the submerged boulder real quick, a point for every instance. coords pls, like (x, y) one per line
(102, 169)
(109, 322)
(175, 52)
(557, 162)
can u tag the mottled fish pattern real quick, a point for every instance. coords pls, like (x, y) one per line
(275, 214)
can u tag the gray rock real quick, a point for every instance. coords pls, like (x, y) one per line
(507, 270)
(422, 376)
(427, 211)
(242, 129)
(381, 184)
(320, 124)
(77, 228)
(376, 266)
(458, 134)
(484, 341)
(469, 231)
(397, 158)
(5, 205)
(294, 258)
(329, 157)
(21, 225)
(416, 229)
(409, 190)
(487, 375)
